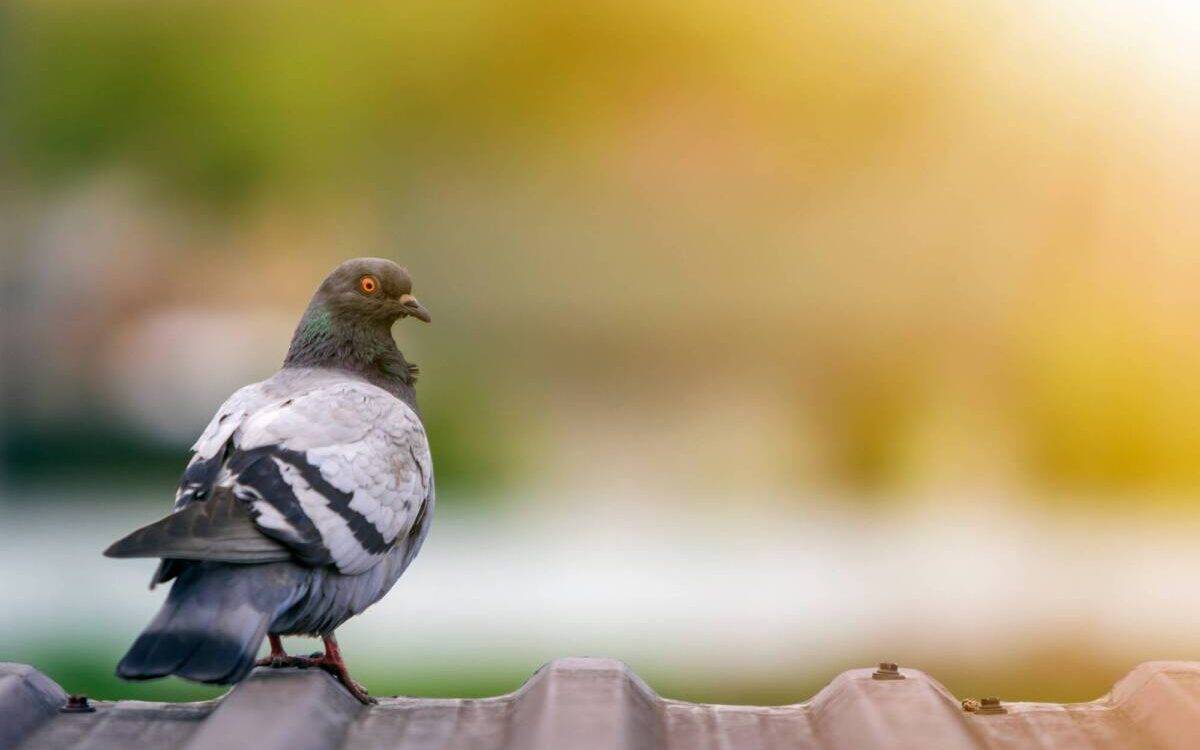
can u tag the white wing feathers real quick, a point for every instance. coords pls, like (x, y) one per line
(338, 469)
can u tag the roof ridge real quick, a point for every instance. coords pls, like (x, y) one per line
(579, 702)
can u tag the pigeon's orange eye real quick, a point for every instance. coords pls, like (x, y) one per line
(368, 285)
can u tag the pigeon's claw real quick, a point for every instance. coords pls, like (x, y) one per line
(278, 658)
(333, 663)
(358, 691)
(277, 662)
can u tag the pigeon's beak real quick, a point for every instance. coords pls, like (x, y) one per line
(409, 304)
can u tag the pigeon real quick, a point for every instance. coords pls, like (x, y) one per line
(306, 497)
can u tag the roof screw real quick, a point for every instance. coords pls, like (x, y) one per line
(990, 706)
(77, 704)
(887, 671)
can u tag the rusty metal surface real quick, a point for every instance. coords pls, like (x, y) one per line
(589, 704)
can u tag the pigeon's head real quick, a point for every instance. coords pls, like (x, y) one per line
(369, 289)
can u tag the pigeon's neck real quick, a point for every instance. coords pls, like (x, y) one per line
(366, 349)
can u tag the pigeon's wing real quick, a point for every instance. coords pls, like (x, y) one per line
(337, 472)
(218, 529)
(307, 465)
(211, 449)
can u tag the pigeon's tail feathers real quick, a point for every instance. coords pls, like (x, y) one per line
(213, 622)
(219, 528)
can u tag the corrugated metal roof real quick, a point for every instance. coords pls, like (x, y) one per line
(599, 703)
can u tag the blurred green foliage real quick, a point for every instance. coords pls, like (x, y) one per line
(31, 453)
(221, 100)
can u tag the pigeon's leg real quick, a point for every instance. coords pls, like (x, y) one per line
(333, 663)
(278, 657)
